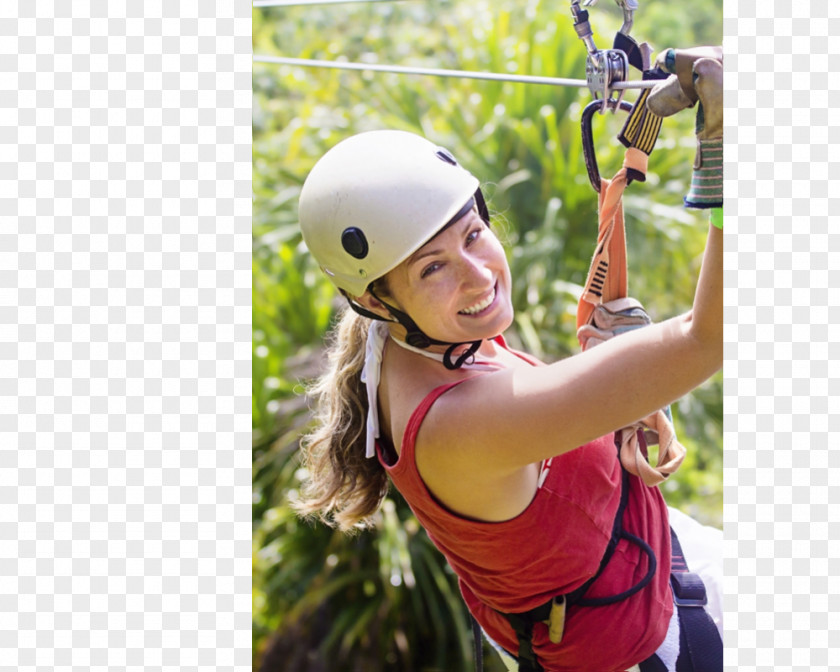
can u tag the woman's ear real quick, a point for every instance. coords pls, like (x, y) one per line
(373, 305)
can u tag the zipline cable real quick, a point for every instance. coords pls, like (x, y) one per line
(465, 74)
(292, 3)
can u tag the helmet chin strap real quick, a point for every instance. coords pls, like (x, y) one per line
(416, 338)
(414, 335)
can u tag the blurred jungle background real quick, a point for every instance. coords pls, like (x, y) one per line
(384, 600)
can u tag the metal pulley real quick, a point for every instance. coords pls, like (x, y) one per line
(606, 67)
(607, 73)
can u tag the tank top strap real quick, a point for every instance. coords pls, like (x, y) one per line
(419, 414)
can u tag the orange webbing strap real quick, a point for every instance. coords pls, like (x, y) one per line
(607, 278)
(656, 428)
(607, 281)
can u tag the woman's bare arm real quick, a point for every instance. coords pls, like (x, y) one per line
(500, 422)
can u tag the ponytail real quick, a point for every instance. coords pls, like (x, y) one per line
(343, 488)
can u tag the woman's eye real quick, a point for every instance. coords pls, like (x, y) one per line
(473, 235)
(431, 268)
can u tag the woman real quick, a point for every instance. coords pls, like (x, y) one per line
(509, 464)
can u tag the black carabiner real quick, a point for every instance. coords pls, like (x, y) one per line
(588, 142)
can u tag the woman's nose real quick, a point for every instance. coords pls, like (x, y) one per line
(474, 269)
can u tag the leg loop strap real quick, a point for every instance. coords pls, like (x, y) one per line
(701, 647)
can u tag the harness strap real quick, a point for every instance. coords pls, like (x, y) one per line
(604, 310)
(478, 649)
(555, 608)
(523, 625)
(608, 321)
(607, 277)
(701, 647)
(575, 597)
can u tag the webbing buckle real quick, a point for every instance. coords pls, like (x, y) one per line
(688, 589)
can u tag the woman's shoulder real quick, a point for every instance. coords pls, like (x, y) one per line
(411, 383)
(425, 431)
(407, 382)
(520, 355)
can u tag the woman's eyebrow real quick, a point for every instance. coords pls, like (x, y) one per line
(422, 253)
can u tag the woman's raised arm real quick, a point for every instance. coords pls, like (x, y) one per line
(517, 417)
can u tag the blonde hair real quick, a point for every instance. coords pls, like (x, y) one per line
(344, 488)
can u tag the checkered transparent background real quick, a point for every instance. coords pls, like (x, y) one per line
(124, 335)
(781, 378)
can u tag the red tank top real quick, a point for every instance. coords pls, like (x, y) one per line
(553, 547)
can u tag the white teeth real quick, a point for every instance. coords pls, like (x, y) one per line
(477, 308)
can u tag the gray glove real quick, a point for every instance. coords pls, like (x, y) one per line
(696, 74)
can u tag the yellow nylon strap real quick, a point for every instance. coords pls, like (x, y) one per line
(642, 126)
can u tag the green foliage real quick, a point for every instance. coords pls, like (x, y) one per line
(384, 600)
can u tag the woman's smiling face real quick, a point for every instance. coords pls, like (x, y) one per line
(457, 287)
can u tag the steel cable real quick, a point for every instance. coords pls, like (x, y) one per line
(435, 72)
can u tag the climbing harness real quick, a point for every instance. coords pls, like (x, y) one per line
(700, 644)
(553, 612)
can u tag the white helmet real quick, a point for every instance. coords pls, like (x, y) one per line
(377, 197)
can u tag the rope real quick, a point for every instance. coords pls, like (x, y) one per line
(434, 72)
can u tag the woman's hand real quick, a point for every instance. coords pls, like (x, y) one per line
(696, 74)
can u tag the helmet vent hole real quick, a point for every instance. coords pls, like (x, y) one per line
(354, 242)
(446, 155)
